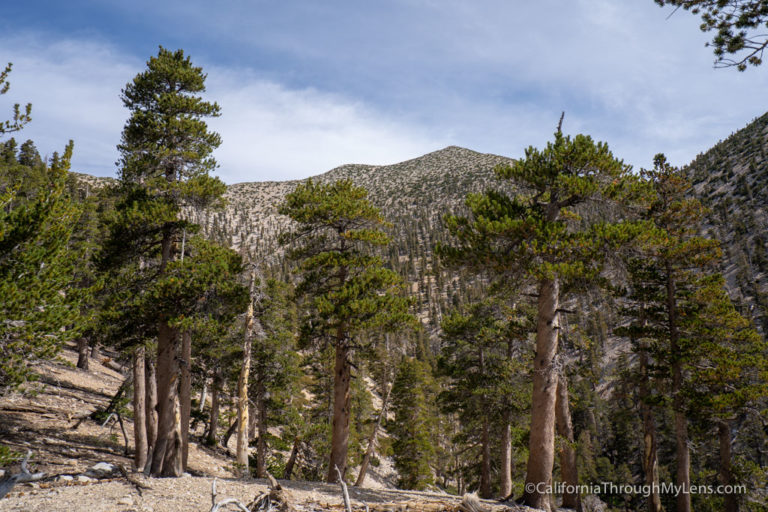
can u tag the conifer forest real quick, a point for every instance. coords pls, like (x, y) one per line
(461, 331)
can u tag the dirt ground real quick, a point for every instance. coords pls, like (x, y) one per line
(45, 422)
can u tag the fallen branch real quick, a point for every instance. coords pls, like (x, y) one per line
(7, 483)
(215, 507)
(344, 491)
(273, 483)
(122, 427)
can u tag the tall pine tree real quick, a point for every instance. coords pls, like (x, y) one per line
(165, 164)
(541, 235)
(347, 288)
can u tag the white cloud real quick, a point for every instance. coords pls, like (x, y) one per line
(307, 88)
(269, 132)
(74, 89)
(273, 132)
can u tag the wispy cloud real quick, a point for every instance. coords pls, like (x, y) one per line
(308, 86)
(270, 132)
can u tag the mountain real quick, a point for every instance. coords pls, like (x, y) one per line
(413, 196)
(731, 179)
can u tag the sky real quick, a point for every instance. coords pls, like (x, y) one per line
(307, 85)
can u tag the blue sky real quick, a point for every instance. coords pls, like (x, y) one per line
(306, 85)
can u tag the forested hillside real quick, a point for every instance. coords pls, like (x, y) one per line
(561, 330)
(731, 181)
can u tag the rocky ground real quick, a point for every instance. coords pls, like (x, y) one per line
(80, 458)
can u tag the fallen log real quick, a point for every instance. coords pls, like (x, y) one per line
(7, 483)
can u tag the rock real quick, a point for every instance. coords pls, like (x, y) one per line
(127, 500)
(65, 478)
(101, 470)
(84, 478)
(591, 503)
(185, 475)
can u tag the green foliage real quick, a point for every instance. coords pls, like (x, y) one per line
(738, 39)
(705, 359)
(413, 397)
(166, 142)
(484, 357)
(348, 289)
(540, 233)
(8, 456)
(200, 293)
(20, 118)
(37, 264)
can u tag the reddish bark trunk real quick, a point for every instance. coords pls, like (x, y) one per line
(167, 455)
(682, 450)
(650, 457)
(541, 456)
(340, 427)
(185, 394)
(292, 458)
(213, 424)
(151, 405)
(261, 444)
(485, 463)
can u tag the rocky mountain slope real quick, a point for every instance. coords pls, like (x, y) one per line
(413, 195)
(731, 179)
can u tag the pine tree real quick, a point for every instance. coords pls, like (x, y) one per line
(165, 164)
(19, 118)
(413, 395)
(689, 338)
(480, 356)
(541, 235)
(275, 365)
(348, 290)
(37, 265)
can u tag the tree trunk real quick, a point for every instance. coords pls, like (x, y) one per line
(228, 434)
(253, 423)
(292, 458)
(541, 456)
(725, 476)
(213, 423)
(683, 462)
(151, 405)
(505, 480)
(203, 396)
(82, 353)
(340, 428)
(485, 441)
(372, 438)
(568, 470)
(95, 353)
(167, 456)
(505, 473)
(139, 408)
(650, 442)
(261, 444)
(485, 463)
(242, 386)
(682, 451)
(185, 394)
